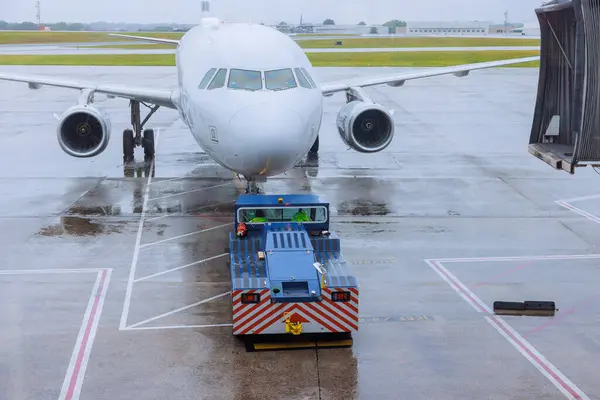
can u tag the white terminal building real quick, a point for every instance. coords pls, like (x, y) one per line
(446, 28)
(351, 29)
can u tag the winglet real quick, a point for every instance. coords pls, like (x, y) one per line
(147, 39)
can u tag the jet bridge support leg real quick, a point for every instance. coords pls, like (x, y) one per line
(138, 136)
(566, 125)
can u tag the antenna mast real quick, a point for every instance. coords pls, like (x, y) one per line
(505, 22)
(38, 14)
(205, 7)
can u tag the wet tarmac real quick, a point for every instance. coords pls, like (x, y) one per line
(66, 50)
(114, 284)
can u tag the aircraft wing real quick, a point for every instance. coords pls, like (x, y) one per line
(146, 39)
(161, 97)
(398, 79)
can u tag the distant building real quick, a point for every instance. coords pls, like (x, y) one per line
(497, 29)
(528, 29)
(333, 29)
(448, 28)
(351, 29)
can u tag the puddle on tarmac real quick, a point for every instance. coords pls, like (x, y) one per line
(95, 210)
(81, 226)
(362, 207)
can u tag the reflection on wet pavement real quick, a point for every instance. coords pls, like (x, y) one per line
(446, 188)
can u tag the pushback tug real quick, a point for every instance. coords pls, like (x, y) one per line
(288, 274)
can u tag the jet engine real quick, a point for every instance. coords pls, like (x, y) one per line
(365, 126)
(83, 131)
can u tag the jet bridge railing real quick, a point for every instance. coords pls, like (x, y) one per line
(566, 125)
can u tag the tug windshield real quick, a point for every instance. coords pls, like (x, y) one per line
(259, 215)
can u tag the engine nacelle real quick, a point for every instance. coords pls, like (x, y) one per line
(365, 127)
(83, 131)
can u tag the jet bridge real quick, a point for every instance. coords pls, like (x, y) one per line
(566, 124)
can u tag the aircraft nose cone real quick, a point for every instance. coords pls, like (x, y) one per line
(272, 139)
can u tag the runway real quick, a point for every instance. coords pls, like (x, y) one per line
(66, 50)
(115, 286)
(376, 36)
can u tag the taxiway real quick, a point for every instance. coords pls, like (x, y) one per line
(82, 50)
(114, 284)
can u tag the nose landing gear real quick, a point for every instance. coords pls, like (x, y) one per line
(136, 137)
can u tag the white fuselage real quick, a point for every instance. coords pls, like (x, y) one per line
(244, 124)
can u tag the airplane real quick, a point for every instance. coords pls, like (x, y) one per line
(248, 95)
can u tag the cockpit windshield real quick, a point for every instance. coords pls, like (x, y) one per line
(245, 79)
(280, 79)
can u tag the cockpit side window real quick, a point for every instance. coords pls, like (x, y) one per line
(280, 79)
(302, 81)
(308, 77)
(219, 79)
(207, 78)
(245, 79)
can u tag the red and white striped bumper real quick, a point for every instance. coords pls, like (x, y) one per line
(265, 317)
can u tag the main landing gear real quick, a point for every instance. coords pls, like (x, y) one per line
(136, 137)
(315, 148)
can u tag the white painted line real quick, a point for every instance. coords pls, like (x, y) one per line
(167, 180)
(136, 249)
(579, 211)
(518, 258)
(189, 211)
(459, 288)
(190, 191)
(157, 218)
(47, 271)
(558, 379)
(178, 310)
(186, 235)
(568, 388)
(582, 198)
(148, 328)
(178, 268)
(71, 388)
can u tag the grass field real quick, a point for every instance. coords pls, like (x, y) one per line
(362, 43)
(350, 42)
(142, 46)
(326, 34)
(29, 37)
(375, 43)
(375, 59)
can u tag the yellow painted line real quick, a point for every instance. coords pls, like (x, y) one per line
(283, 346)
(335, 343)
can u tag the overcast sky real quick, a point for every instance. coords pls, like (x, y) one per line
(270, 11)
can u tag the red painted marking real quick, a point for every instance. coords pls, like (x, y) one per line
(239, 299)
(355, 291)
(250, 309)
(261, 320)
(273, 318)
(562, 315)
(348, 304)
(333, 310)
(295, 317)
(317, 320)
(86, 337)
(507, 272)
(340, 308)
(537, 360)
(459, 287)
(327, 317)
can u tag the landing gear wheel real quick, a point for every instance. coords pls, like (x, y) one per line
(315, 147)
(128, 145)
(148, 144)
